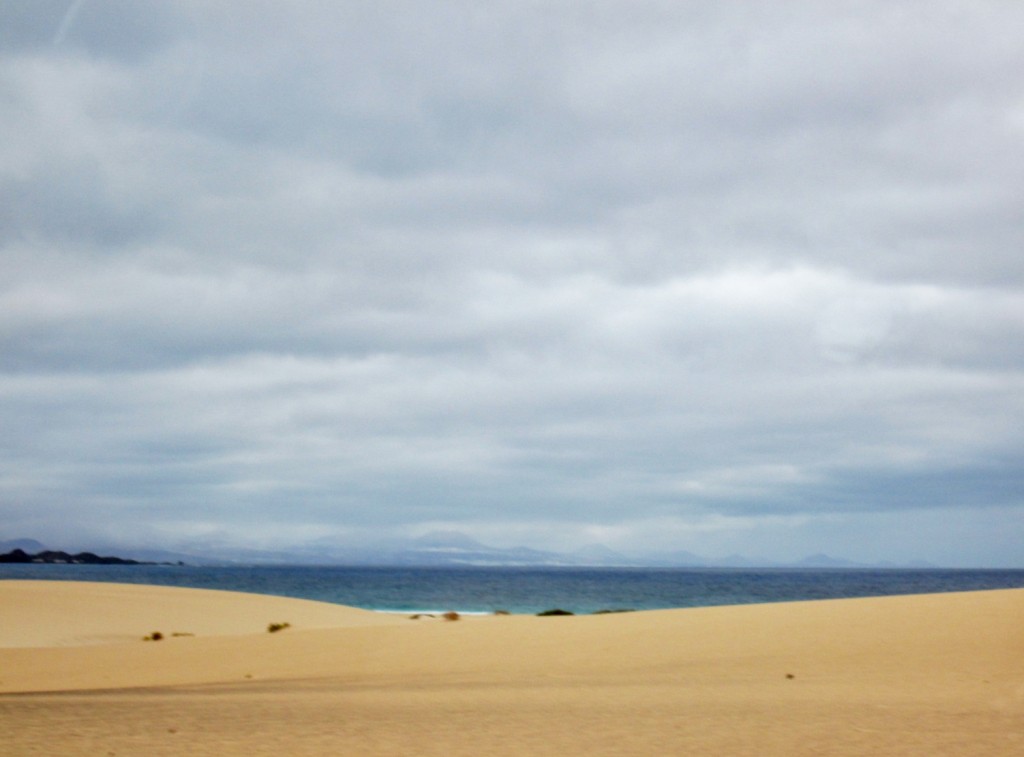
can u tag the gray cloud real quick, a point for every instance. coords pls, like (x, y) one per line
(714, 277)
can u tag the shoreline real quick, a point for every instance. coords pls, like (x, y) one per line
(529, 592)
(923, 674)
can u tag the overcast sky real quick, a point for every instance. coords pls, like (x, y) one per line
(716, 276)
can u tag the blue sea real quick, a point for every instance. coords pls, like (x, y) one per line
(531, 590)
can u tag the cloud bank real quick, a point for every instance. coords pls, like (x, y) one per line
(710, 277)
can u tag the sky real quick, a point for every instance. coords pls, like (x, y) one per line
(726, 277)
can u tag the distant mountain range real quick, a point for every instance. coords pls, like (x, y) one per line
(452, 548)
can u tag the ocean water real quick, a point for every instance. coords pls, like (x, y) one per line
(531, 590)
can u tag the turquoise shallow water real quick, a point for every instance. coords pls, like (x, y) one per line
(530, 590)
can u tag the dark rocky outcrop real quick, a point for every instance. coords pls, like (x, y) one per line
(64, 558)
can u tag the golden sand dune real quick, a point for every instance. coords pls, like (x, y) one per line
(929, 675)
(70, 613)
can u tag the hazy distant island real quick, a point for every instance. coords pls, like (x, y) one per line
(435, 549)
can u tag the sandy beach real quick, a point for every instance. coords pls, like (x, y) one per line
(931, 675)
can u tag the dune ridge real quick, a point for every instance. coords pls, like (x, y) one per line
(926, 674)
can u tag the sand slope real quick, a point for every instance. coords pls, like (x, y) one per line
(934, 674)
(71, 613)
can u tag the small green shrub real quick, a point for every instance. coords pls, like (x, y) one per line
(275, 627)
(155, 636)
(550, 613)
